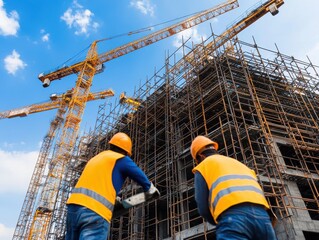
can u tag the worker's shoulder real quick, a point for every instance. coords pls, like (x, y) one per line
(126, 160)
(220, 157)
(223, 156)
(111, 153)
(104, 152)
(126, 164)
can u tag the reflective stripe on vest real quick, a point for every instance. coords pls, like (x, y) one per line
(230, 190)
(230, 182)
(95, 196)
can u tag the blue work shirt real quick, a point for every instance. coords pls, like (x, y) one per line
(201, 198)
(126, 167)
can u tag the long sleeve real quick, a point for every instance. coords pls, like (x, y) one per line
(201, 198)
(126, 167)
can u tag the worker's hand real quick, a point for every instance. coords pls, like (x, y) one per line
(152, 192)
(118, 200)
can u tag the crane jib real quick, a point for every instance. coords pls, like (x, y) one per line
(47, 78)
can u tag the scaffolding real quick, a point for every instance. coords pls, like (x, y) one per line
(260, 105)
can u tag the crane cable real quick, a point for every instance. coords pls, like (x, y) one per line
(144, 29)
(149, 28)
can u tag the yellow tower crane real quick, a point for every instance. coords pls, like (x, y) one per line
(93, 63)
(56, 101)
(135, 103)
(45, 223)
(246, 20)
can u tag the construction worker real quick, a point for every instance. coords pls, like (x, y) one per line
(91, 202)
(228, 195)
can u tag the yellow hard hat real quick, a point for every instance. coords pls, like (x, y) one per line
(122, 141)
(199, 143)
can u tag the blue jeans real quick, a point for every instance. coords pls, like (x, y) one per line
(84, 224)
(245, 221)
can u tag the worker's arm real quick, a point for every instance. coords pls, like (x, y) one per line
(201, 198)
(126, 167)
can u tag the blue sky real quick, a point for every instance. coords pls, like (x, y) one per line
(36, 36)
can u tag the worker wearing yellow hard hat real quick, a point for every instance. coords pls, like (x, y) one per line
(228, 195)
(91, 203)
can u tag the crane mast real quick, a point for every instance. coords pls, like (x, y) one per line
(24, 221)
(60, 102)
(42, 226)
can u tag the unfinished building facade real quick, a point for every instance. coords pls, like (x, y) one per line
(261, 106)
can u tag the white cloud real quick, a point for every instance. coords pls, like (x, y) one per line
(6, 233)
(45, 37)
(186, 34)
(80, 19)
(13, 63)
(7, 145)
(144, 6)
(9, 24)
(16, 170)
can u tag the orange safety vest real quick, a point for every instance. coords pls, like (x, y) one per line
(94, 189)
(230, 182)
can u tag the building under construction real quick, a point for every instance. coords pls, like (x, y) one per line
(261, 106)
